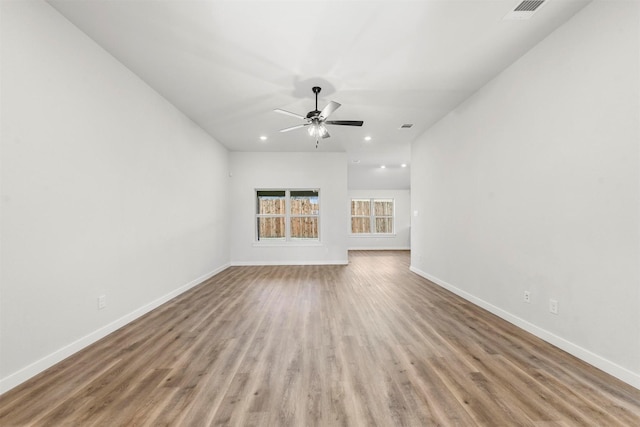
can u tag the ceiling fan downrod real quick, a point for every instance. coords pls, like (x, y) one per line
(316, 112)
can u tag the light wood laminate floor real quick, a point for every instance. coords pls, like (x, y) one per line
(365, 344)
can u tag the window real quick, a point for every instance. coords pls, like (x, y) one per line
(271, 214)
(372, 216)
(287, 215)
(304, 214)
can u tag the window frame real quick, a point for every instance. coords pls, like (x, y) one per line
(288, 239)
(372, 217)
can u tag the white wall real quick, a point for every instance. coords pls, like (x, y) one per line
(106, 189)
(533, 184)
(401, 237)
(325, 171)
(371, 176)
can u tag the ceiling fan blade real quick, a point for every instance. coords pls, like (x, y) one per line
(330, 108)
(294, 127)
(289, 113)
(344, 122)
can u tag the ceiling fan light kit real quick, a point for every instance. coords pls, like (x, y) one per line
(316, 119)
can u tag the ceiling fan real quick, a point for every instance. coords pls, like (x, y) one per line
(316, 120)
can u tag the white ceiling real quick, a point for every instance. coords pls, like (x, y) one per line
(228, 64)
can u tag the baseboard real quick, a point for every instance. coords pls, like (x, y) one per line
(46, 362)
(356, 248)
(257, 263)
(599, 362)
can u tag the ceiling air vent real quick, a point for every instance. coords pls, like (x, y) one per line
(525, 9)
(406, 126)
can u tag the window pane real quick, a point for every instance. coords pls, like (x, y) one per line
(383, 207)
(360, 207)
(305, 227)
(384, 225)
(304, 203)
(271, 202)
(360, 225)
(271, 228)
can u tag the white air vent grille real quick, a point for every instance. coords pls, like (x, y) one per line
(529, 6)
(525, 9)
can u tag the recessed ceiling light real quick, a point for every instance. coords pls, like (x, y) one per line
(383, 167)
(355, 161)
(367, 138)
(263, 138)
(404, 165)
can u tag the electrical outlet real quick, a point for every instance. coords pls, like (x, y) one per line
(102, 302)
(527, 297)
(553, 306)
